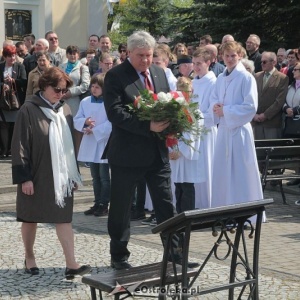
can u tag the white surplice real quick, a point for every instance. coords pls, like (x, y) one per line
(202, 90)
(235, 171)
(92, 145)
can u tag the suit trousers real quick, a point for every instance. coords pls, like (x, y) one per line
(185, 196)
(123, 183)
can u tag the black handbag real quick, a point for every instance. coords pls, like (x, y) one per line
(9, 100)
(292, 127)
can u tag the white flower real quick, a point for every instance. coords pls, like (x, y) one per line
(164, 97)
(180, 100)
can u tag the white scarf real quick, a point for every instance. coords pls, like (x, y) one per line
(65, 171)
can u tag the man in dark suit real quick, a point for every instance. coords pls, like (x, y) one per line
(134, 151)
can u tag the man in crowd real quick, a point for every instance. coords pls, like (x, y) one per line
(215, 66)
(58, 53)
(30, 62)
(205, 40)
(22, 50)
(93, 43)
(272, 88)
(185, 66)
(252, 47)
(281, 59)
(104, 47)
(227, 38)
(29, 40)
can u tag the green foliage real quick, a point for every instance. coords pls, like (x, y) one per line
(273, 20)
(116, 39)
(149, 15)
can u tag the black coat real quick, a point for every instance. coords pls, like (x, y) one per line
(131, 143)
(19, 75)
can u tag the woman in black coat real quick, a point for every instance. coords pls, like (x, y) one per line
(10, 72)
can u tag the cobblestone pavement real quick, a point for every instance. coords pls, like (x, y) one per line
(279, 262)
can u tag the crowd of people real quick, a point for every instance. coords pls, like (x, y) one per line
(243, 95)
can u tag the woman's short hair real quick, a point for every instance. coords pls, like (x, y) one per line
(9, 50)
(105, 55)
(248, 64)
(90, 51)
(72, 49)
(43, 53)
(140, 39)
(52, 77)
(98, 79)
(121, 47)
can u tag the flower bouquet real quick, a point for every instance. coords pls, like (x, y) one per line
(183, 115)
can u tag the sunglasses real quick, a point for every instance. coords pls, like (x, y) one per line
(59, 90)
(53, 39)
(296, 70)
(122, 50)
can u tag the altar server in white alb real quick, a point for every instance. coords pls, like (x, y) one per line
(203, 85)
(91, 119)
(185, 170)
(235, 170)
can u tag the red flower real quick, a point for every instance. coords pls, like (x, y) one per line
(154, 96)
(188, 115)
(171, 140)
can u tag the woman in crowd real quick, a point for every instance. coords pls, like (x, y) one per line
(45, 169)
(234, 102)
(291, 109)
(122, 49)
(11, 73)
(180, 49)
(80, 76)
(43, 60)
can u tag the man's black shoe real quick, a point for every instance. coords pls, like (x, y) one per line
(91, 211)
(120, 265)
(101, 211)
(137, 215)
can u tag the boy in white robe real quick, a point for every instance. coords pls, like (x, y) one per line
(91, 119)
(203, 85)
(235, 170)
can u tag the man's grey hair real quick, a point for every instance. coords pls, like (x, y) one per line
(140, 39)
(44, 42)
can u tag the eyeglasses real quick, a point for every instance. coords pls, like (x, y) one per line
(53, 39)
(265, 61)
(296, 70)
(122, 50)
(108, 64)
(59, 90)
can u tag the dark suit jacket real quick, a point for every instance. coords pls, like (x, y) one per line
(19, 74)
(131, 143)
(272, 97)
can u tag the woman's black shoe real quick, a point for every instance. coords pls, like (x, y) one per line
(32, 271)
(70, 273)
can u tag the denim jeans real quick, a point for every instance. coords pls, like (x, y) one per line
(101, 183)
